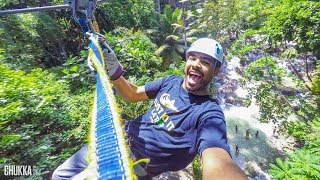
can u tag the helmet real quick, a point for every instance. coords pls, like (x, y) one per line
(207, 46)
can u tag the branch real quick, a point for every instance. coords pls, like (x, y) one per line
(307, 68)
(62, 50)
(282, 96)
(299, 76)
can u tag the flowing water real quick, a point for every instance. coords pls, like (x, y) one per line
(253, 148)
(252, 143)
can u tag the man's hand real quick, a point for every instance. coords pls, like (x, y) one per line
(217, 164)
(112, 65)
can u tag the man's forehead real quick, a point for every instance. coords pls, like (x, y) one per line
(201, 55)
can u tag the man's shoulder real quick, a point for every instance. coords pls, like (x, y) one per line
(210, 108)
(210, 105)
(172, 77)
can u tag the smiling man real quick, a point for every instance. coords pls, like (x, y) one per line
(184, 120)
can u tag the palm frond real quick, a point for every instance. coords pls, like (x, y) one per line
(162, 49)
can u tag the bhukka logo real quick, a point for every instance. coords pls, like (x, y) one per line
(165, 101)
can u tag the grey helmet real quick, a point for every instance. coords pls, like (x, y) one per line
(207, 46)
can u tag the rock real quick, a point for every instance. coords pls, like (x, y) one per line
(243, 63)
(239, 71)
(253, 170)
(184, 174)
(170, 175)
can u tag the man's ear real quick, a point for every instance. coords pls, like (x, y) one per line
(217, 71)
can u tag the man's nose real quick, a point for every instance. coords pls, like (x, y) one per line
(196, 63)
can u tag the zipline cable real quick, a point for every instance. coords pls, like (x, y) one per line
(33, 9)
(67, 5)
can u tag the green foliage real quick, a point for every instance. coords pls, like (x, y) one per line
(315, 132)
(218, 15)
(39, 117)
(244, 44)
(129, 14)
(307, 132)
(267, 93)
(10, 139)
(297, 21)
(36, 40)
(281, 171)
(196, 164)
(172, 20)
(171, 52)
(298, 129)
(253, 13)
(314, 144)
(76, 73)
(316, 80)
(173, 49)
(6, 2)
(222, 19)
(300, 165)
(136, 52)
(172, 70)
(309, 107)
(144, 14)
(265, 68)
(18, 40)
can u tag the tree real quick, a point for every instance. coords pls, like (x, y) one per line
(297, 21)
(172, 51)
(129, 14)
(39, 118)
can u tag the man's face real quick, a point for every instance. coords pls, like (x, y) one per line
(199, 71)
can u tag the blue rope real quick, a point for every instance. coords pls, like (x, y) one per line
(109, 153)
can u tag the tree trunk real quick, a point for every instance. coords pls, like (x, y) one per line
(159, 8)
(307, 68)
(62, 50)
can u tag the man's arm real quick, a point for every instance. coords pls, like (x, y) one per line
(125, 89)
(129, 91)
(217, 164)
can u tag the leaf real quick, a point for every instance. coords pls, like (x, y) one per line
(162, 49)
(290, 53)
(316, 167)
(75, 68)
(9, 139)
(66, 71)
(177, 16)
(2, 124)
(175, 25)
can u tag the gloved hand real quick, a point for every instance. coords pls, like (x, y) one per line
(112, 65)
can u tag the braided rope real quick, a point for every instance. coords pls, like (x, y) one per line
(108, 153)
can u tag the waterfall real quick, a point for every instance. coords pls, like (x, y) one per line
(245, 133)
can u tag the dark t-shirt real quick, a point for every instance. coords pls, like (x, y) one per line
(177, 126)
